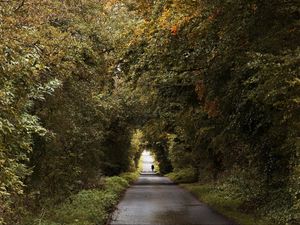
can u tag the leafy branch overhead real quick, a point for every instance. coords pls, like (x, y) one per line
(210, 87)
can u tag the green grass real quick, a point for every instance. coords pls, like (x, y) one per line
(88, 207)
(130, 176)
(223, 203)
(187, 175)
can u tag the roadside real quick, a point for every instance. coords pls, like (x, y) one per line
(88, 207)
(218, 200)
(218, 196)
(155, 199)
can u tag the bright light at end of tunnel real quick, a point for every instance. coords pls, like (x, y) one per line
(147, 161)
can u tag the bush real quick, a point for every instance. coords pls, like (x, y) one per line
(88, 207)
(186, 175)
(219, 196)
(115, 184)
(130, 177)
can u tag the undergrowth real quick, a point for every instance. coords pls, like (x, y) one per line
(88, 207)
(186, 175)
(222, 199)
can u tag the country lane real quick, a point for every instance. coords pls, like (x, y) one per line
(155, 200)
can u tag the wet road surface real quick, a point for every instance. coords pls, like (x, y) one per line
(155, 200)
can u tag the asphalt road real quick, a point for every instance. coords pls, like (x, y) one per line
(155, 200)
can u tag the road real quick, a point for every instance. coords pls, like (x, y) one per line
(155, 200)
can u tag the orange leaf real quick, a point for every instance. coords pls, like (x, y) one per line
(174, 30)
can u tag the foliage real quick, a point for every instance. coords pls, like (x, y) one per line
(130, 176)
(63, 124)
(116, 184)
(136, 147)
(221, 199)
(88, 207)
(187, 175)
(207, 85)
(222, 84)
(96, 204)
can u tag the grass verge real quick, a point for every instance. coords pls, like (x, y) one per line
(221, 202)
(186, 175)
(88, 207)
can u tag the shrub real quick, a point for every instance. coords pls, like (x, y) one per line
(186, 175)
(116, 184)
(88, 207)
(219, 196)
(130, 177)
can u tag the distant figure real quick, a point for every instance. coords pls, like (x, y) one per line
(152, 168)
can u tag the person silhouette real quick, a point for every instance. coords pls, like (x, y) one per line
(152, 168)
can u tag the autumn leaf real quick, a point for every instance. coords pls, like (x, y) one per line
(174, 30)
